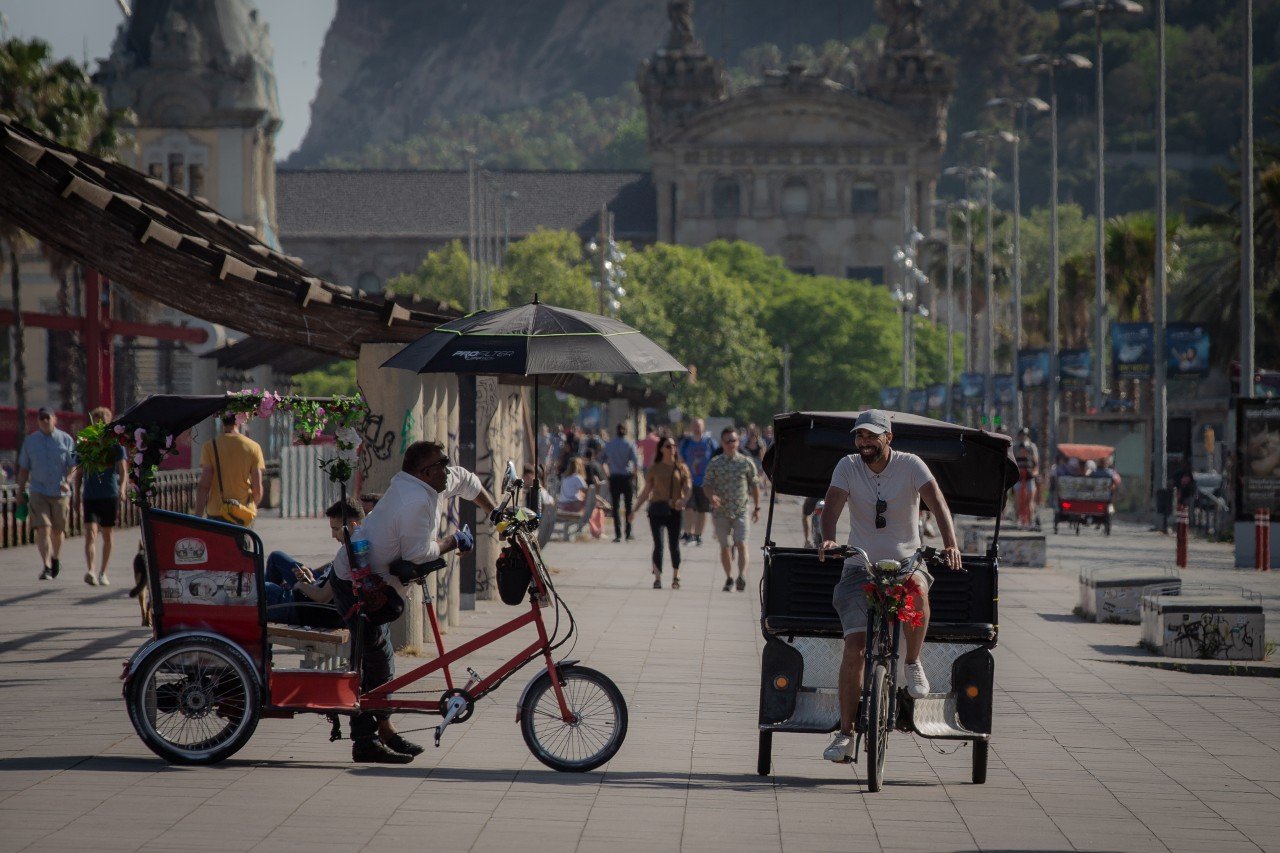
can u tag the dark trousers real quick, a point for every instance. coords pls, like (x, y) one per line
(377, 658)
(671, 524)
(620, 491)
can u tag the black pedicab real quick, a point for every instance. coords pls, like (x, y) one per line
(803, 638)
(196, 691)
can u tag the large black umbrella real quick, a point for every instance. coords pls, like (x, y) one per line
(532, 340)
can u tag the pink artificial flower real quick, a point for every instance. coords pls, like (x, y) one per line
(139, 435)
(168, 442)
(267, 405)
(137, 459)
(320, 411)
(119, 430)
(241, 418)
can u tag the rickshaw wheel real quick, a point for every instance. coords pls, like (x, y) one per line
(598, 727)
(980, 750)
(764, 760)
(196, 701)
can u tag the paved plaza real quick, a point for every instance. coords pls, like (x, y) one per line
(1089, 753)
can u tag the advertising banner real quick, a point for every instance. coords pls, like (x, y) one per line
(1003, 388)
(919, 400)
(972, 386)
(1033, 368)
(937, 397)
(1132, 345)
(890, 397)
(1258, 422)
(1073, 368)
(1187, 349)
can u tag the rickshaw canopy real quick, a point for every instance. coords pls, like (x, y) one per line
(1087, 452)
(973, 467)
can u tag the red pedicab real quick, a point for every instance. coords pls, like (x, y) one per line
(1084, 500)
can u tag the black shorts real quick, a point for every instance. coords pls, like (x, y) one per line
(698, 500)
(101, 511)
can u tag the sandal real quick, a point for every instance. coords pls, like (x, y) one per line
(657, 582)
(675, 583)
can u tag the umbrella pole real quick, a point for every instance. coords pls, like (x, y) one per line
(537, 426)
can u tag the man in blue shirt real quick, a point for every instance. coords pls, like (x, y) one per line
(621, 462)
(100, 495)
(696, 449)
(46, 460)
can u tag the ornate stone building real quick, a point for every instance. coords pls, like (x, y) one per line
(825, 174)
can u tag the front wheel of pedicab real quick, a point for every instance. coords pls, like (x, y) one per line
(194, 701)
(596, 728)
(764, 759)
(980, 750)
(878, 728)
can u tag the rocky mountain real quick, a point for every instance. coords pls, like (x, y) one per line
(387, 65)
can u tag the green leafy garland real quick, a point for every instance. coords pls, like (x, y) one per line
(147, 445)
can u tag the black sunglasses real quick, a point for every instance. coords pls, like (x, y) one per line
(881, 506)
(443, 460)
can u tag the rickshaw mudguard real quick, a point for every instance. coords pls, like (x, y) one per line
(560, 664)
(131, 666)
(781, 674)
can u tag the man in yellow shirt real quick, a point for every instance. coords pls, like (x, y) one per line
(236, 466)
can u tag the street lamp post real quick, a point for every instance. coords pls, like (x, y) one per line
(905, 257)
(986, 139)
(947, 207)
(1020, 108)
(1246, 214)
(1097, 9)
(967, 173)
(1160, 398)
(1050, 63)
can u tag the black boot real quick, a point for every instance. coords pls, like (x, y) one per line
(396, 742)
(368, 751)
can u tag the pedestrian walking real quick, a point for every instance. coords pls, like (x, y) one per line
(731, 486)
(667, 486)
(621, 462)
(231, 469)
(648, 447)
(696, 450)
(45, 463)
(100, 497)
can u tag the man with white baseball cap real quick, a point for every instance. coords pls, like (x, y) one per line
(883, 488)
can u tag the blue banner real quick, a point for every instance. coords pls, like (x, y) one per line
(919, 399)
(1187, 347)
(1132, 345)
(1003, 388)
(972, 386)
(937, 397)
(1073, 367)
(890, 398)
(1033, 368)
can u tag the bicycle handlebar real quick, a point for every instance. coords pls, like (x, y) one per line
(932, 557)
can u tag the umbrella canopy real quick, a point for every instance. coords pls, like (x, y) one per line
(532, 340)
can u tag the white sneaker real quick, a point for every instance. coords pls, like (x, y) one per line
(840, 750)
(917, 681)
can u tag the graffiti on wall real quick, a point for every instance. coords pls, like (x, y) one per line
(375, 443)
(1221, 636)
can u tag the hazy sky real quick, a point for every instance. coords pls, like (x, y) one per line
(297, 28)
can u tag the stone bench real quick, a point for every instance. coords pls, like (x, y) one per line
(974, 535)
(1021, 548)
(1114, 593)
(1204, 621)
(320, 649)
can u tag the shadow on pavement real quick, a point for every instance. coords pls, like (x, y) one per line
(7, 602)
(1060, 617)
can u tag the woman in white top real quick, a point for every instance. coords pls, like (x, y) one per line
(573, 487)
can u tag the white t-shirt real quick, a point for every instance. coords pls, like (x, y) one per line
(898, 485)
(569, 488)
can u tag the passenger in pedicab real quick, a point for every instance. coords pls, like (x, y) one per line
(1107, 470)
(288, 582)
(403, 526)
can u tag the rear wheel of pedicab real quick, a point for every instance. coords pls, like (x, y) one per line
(878, 728)
(196, 701)
(596, 730)
(764, 759)
(980, 750)
(1106, 526)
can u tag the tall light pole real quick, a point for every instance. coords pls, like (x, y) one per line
(1246, 214)
(1097, 9)
(1160, 480)
(947, 207)
(987, 139)
(1050, 63)
(1020, 108)
(967, 174)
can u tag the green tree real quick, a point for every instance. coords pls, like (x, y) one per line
(552, 265)
(444, 275)
(339, 377)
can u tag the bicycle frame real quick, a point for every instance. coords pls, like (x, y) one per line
(879, 651)
(382, 698)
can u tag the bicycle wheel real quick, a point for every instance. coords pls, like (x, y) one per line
(878, 730)
(196, 701)
(595, 733)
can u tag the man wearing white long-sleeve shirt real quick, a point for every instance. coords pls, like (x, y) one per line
(403, 526)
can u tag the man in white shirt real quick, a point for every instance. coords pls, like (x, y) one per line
(403, 526)
(883, 488)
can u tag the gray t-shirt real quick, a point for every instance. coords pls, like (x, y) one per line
(898, 485)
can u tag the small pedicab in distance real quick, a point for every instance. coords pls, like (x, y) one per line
(1081, 501)
(802, 633)
(196, 691)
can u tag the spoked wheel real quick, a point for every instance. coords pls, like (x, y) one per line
(980, 750)
(878, 728)
(597, 727)
(196, 701)
(764, 759)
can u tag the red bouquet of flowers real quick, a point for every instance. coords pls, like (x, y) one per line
(894, 597)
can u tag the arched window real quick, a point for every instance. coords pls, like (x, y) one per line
(368, 283)
(726, 198)
(795, 198)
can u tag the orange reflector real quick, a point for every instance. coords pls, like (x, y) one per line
(782, 682)
(971, 692)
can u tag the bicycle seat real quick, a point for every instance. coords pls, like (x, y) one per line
(408, 572)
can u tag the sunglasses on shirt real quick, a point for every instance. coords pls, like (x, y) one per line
(881, 506)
